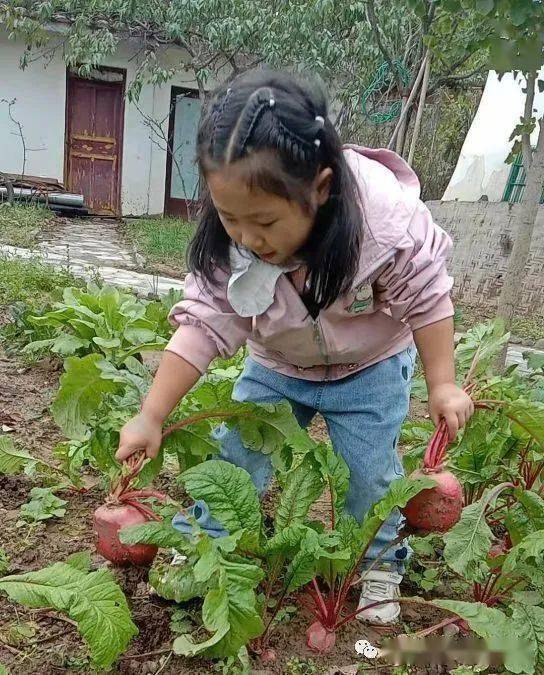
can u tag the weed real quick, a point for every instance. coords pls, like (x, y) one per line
(20, 224)
(161, 240)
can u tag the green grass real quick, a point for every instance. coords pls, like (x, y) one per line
(31, 281)
(162, 241)
(20, 224)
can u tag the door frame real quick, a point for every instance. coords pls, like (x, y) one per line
(174, 206)
(119, 132)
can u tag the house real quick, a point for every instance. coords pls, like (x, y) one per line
(481, 170)
(83, 131)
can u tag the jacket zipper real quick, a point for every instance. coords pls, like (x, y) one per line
(318, 337)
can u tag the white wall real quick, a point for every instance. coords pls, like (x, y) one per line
(40, 108)
(480, 168)
(41, 101)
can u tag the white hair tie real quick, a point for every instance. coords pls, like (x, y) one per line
(320, 119)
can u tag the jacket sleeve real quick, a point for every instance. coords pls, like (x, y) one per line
(414, 283)
(206, 324)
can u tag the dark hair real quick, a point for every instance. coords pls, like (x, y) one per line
(274, 112)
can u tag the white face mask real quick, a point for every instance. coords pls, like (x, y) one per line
(252, 282)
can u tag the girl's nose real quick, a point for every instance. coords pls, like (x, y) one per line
(252, 240)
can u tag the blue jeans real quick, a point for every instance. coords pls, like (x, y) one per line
(363, 412)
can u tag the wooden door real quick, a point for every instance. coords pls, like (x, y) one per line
(94, 142)
(181, 189)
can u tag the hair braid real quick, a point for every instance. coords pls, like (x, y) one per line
(261, 100)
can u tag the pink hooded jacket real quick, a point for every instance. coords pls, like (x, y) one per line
(401, 285)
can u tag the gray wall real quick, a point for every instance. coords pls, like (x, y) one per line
(483, 233)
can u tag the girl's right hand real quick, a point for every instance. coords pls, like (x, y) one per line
(142, 432)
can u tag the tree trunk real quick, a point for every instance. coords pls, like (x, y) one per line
(421, 106)
(405, 108)
(402, 128)
(525, 224)
(527, 114)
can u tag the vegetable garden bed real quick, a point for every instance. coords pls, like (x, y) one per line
(245, 601)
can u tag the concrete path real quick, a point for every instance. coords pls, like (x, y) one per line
(91, 248)
(139, 282)
(93, 242)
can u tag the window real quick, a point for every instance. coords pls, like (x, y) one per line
(515, 186)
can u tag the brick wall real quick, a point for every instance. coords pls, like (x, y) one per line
(483, 234)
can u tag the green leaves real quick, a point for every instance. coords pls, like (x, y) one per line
(485, 6)
(93, 600)
(230, 495)
(468, 543)
(301, 487)
(496, 629)
(398, 495)
(528, 417)
(530, 549)
(267, 426)
(12, 460)
(176, 583)
(82, 389)
(335, 472)
(103, 320)
(4, 562)
(157, 533)
(43, 505)
(478, 347)
(229, 612)
(528, 623)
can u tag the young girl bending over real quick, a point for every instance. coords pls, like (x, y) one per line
(323, 260)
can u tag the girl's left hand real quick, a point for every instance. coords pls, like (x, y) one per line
(453, 404)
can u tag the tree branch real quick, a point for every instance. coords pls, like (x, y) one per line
(527, 114)
(373, 21)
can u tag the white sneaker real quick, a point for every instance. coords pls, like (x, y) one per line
(379, 585)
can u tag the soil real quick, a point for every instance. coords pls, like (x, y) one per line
(25, 396)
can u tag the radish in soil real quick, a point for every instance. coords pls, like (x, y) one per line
(439, 508)
(122, 509)
(320, 639)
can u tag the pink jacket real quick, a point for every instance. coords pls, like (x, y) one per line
(401, 285)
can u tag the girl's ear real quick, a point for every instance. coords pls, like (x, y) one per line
(322, 186)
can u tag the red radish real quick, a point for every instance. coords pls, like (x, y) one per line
(439, 508)
(108, 520)
(320, 639)
(269, 655)
(122, 509)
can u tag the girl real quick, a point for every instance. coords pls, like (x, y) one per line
(324, 261)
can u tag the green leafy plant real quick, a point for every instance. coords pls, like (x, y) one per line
(4, 562)
(280, 559)
(102, 320)
(96, 398)
(14, 460)
(43, 505)
(90, 598)
(504, 440)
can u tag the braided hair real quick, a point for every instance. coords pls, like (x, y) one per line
(266, 113)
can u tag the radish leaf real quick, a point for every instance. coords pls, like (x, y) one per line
(82, 389)
(230, 495)
(468, 543)
(13, 460)
(93, 600)
(301, 487)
